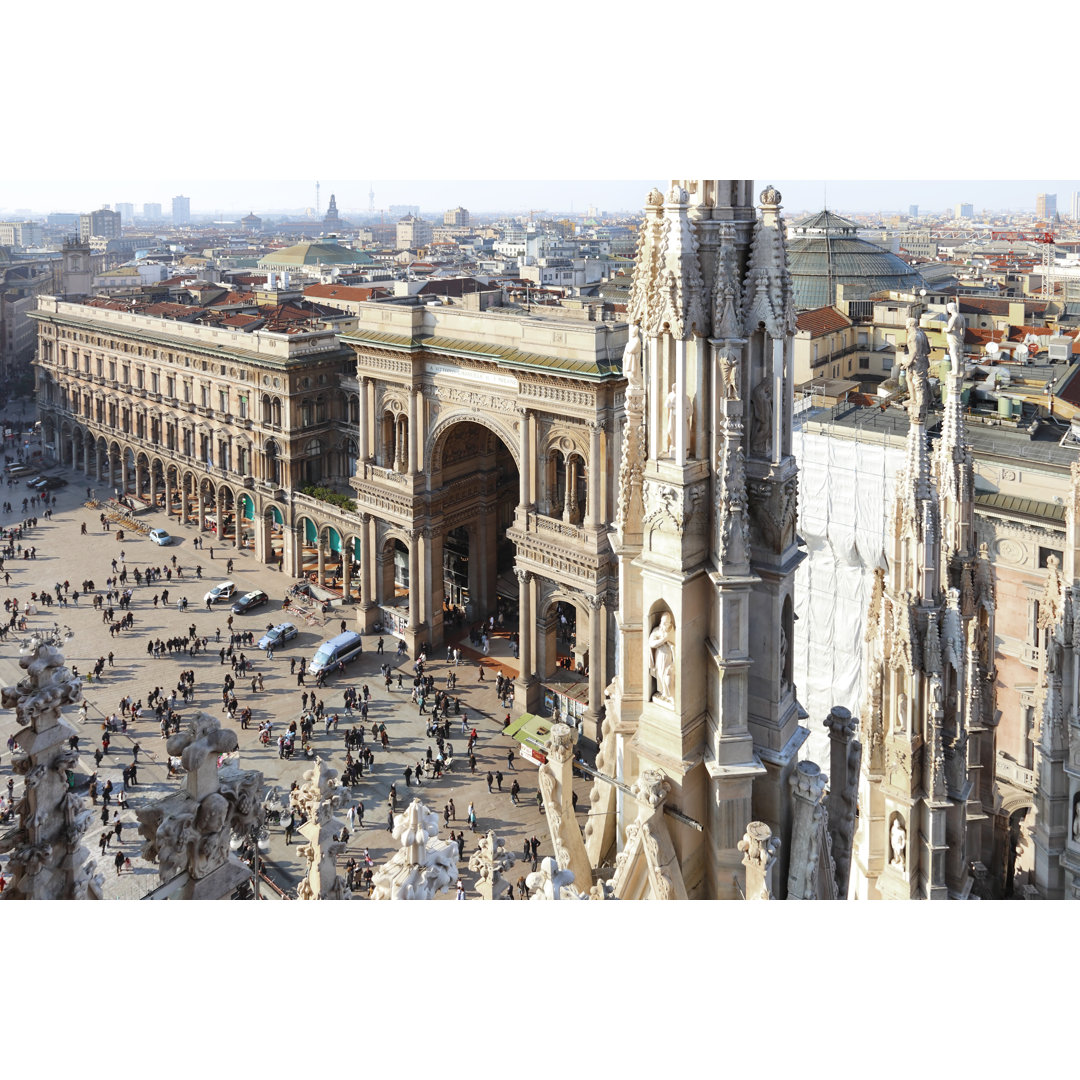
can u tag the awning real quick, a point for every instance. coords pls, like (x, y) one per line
(247, 507)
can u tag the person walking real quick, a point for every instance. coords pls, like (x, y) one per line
(460, 891)
(453, 812)
(118, 862)
(510, 759)
(499, 779)
(490, 781)
(515, 789)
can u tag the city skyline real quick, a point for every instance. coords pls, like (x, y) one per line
(237, 197)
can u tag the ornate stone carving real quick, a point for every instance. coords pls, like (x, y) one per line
(188, 832)
(46, 858)
(916, 362)
(761, 416)
(954, 336)
(489, 862)
(730, 511)
(898, 843)
(424, 865)
(728, 363)
(670, 503)
(807, 829)
(316, 799)
(773, 507)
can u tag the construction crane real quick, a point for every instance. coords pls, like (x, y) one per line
(1048, 242)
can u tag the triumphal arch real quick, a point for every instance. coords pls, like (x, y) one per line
(485, 478)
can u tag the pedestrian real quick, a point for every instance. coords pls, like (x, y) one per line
(390, 821)
(510, 759)
(460, 890)
(515, 788)
(472, 817)
(490, 781)
(499, 779)
(453, 812)
(290, 825)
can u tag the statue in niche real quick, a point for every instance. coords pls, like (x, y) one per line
(1076, 819)
(631, 358)
(729, 375)
(954, 336)
(897, 843)
(662, 644)
(670, 407)
(785, 647)
(901, 712)
(761, 417)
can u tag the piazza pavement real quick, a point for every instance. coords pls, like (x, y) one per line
(63, 553)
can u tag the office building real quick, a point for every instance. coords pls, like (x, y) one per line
(181, 210)
(1045, 206)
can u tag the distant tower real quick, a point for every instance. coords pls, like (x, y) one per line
(371, 199)
(332, 217)
(76, 271)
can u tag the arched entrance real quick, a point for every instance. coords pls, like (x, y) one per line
(475, 483)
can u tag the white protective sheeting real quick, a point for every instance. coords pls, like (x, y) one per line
(845, 493)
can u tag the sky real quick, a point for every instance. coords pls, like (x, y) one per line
(235, 197)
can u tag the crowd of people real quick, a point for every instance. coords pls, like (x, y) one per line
(367, 746)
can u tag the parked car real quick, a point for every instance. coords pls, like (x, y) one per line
(37, 478)
(276, 637)
(220, 592)
(250, 601)
(160, 536)
(53, 483)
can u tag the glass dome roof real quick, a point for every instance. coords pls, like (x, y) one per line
(824, 250)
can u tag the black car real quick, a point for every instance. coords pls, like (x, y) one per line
(52, 483)
(250, 601)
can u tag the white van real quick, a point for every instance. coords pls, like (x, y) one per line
(340, 649)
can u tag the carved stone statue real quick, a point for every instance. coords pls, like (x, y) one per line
(954, 336)
(897, 843)
(728, 361)
(47, 860)
(1076, 822)
(662, 644)
(631, 358)
(917, 365)
(669, 406)
(761, 418)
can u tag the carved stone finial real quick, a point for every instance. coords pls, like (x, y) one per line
(424, 865)
(770, 196)
(489, 862)
(46, 861)
(759, 848)
(316, 799)
(551, 883)
(560, 744)
(652, 788)
(655, 197)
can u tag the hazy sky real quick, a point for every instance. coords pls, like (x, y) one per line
(433, 196)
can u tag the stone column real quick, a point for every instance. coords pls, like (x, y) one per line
(346, 571)
(526, 454)
(414, 582)
(202, 511)
(123, 473)
(153, 488)
(526, 633)
(594, 495)
(321, 549)
(367, 570)
(843, 790)
(679, 413)
(410, 434)
(365, 435)
(597, 614)
(568, 486)
(807, 817)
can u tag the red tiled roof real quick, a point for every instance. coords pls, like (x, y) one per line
(987, 305)
(821, 321)
(344, 292)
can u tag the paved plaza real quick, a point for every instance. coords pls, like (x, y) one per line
(64, 554)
